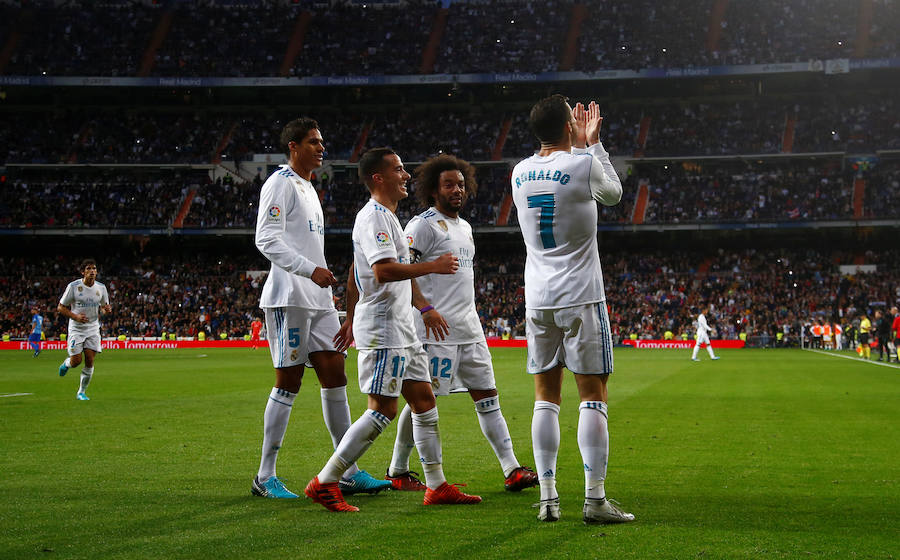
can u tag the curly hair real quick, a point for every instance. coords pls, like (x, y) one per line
(428, 177)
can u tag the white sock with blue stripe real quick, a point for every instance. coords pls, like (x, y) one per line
(403, 444)
(494, 428)
(336, 412)
(275, 421)
(545, 442)
(593, 441)
(428, 444)
(356, 441)
(86, 373)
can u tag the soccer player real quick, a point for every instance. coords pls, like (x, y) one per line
(703, 330)
(301, 319)
(255, 328)
(81, 303)
(895, 330)
(566, 322)
(391, 358)
(448, 323)
(37, 324)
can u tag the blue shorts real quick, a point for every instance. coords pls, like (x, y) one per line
(34, 337)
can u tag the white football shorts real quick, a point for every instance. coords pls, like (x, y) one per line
(79, 341)
(578, 337)
(702, 339)
(463, 366)
(294, 333)
(383, 371)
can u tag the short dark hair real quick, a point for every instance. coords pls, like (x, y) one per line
(372, 162)
(428, 176)
(548, 118)
(86, 263)
(296, 131)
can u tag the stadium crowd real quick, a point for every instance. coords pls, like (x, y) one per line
(862, 123)
(651, 294)
(210, 38)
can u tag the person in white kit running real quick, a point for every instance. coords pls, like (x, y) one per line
(81, 303)
(301, 320)
(703, 330)
(448, 323)
(391, 359)
(566, 322)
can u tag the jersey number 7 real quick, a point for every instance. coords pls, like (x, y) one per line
(547, 204)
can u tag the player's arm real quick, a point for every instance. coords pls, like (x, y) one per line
(606, 188)
(66, 312)
(270, 232)
(344, 337)
(389, 270)
(434, 321)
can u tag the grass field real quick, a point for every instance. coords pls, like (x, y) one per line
(763, 454)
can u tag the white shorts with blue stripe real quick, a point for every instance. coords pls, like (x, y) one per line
(382, 371)
(295, 332)
(577, 337)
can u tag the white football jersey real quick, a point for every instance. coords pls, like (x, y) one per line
(383, 317)
(430, 235)
(702, 325)
(290, 232)
(556, 200)
(81, 298)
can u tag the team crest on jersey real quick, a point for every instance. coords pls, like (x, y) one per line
(294, 355)
(275, 214)
(80, 289)
(443, 225)
(98, 293)
(435, 383)
(392, 386)
(383, 239)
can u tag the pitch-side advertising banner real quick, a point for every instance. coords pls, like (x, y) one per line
(682, 344)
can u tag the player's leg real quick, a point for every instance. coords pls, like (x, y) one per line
(401, 477)
(329, 366)
(588, 352)
(288, 351)
(417, 392)
(34, 340)
(383, 389)
(696, 350)
(475, 371)
(74, 348)
(709, 349)
(87, 372)
(544, 339)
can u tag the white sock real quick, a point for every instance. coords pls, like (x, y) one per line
(710, 350)
(494, 428)
(545, 442)
(275, 421)
(356, 441)
(593, 441)
(86, 374)
(403, 444)
(428, 444)
(67, 363)
(696, 349)
(336, 412)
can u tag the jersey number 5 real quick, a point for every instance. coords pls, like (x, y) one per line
(547, 204)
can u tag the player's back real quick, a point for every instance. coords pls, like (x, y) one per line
(558, 219)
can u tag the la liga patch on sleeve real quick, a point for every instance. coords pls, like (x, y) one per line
(382, 239)
(274, 215)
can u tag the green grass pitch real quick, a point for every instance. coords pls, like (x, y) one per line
(763, 454)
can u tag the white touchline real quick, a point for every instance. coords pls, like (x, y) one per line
(892, 366)
(15, 394)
